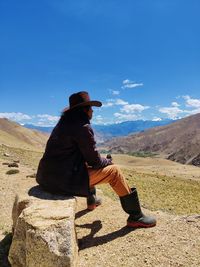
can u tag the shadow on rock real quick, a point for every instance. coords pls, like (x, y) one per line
(92, 241)
(38, 192)
(4, 250)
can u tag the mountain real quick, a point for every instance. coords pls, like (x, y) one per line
(44, 129)
(127, 127)
(105, 132)
(178, 141)
(13, 134)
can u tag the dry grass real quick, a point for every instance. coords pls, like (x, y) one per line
(14, 135)
(161, 192)
(157, 190)
(113, 245)
(25, 156)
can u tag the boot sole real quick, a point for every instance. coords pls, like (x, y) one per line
(139, 225)
(92, 207)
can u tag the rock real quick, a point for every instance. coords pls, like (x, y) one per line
(13, 164)
(31, 175)
(6, 155)
(196, 160)
(43, 230)
(16, 161)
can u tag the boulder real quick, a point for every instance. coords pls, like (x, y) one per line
(43, 230)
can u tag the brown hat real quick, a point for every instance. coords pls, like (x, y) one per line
(81, 99)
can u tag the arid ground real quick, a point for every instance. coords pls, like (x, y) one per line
(168, 190)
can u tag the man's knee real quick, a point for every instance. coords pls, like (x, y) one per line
(115, 172)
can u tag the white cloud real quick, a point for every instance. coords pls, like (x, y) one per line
(191, 102)
(125, 117)
(40, 119)
(126, 81)
(47, 120)
(132, 108)
(156, 119)
(114, 92)
(120, 102)
(130, 84)
(15, 116)
(175, 104)
(195, 111)
(98, 119)
(115, 102)
(48, 117)
(172, 112)
(107, 104)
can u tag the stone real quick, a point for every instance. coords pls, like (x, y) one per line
(13, 164)
(196, 160)
(5, 163)
(16, 161)
(43, 230)
(31, 175)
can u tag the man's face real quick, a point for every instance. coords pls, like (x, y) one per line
(89, 112)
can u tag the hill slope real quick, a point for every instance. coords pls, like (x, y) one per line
(13, 134)
(179, 141)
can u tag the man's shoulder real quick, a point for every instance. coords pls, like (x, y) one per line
(80, 125)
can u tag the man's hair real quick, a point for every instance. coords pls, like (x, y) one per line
(76, 113)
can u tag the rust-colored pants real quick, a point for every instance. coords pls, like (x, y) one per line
(110, 174)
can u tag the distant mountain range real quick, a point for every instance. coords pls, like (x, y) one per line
(105, 132)
(178, 141)
(125, 128)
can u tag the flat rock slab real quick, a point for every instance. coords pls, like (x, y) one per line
(43, 230)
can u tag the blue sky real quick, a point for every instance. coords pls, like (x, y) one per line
(141, 58)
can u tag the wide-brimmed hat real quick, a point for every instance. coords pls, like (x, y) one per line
(81, 99)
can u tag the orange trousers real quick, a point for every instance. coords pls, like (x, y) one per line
(110, 174)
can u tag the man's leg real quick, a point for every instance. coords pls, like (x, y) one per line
(128, 196)
(112, 175)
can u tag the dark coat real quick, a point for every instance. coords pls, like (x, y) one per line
(69, 150)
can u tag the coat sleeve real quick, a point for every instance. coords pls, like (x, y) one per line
(87, 145)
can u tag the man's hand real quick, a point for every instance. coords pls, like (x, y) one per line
(109, 156)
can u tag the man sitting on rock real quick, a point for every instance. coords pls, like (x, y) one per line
(71, 164)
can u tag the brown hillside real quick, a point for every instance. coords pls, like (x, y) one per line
(179, 141)
(13, 134)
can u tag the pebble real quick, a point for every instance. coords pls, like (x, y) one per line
(13, 164)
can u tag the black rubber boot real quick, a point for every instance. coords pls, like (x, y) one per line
(92, 200)
(131, 205)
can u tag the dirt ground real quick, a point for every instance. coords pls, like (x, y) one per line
(105, 241)
(102, 236)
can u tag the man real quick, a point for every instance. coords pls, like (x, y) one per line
(72, 165)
